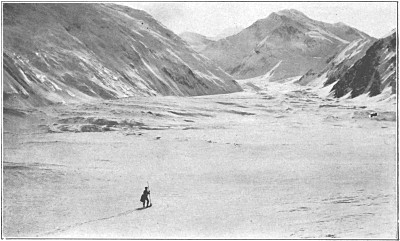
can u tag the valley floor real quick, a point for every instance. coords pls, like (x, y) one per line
(275, 161)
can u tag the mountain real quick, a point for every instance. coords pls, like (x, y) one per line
(287, 41)
(72, 52)
(227, 32)
(197, 41)
(337, 63)
(372, 74)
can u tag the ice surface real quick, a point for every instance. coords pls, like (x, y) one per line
(275, 161)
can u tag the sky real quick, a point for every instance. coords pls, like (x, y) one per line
(211, 18)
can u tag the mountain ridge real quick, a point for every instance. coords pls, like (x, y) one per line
(57, 53)
(300, 42)
(371, 74)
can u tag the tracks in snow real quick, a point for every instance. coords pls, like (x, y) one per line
(62, 229)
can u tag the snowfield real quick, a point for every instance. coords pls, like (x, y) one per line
(274, 161)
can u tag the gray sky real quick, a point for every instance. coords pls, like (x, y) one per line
(210, 18)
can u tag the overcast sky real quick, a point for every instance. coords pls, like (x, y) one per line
(210, 18)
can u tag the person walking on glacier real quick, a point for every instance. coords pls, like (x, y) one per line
(145, 198)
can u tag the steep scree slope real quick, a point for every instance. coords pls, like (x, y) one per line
(337, 63)
(72, 52)
(372, 74)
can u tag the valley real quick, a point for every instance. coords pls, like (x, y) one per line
(284, 129)
(274, 161)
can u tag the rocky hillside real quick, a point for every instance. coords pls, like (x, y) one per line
(337, 63)
(287, 42)
(372, 74)
(72, 52)
(197, 41)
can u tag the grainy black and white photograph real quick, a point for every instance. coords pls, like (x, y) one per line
(199, 120)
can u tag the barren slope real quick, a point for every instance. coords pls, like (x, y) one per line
(73, 52)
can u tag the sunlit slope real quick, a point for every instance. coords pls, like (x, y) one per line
(73, 52)
(299, 43)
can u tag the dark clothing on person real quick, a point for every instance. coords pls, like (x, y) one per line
(144, 198)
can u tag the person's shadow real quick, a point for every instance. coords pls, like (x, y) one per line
(138, 209)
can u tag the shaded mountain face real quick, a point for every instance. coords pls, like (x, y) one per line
(288, 42)
(72, 52)
(337, 63)
(372, 74)
(197, 41)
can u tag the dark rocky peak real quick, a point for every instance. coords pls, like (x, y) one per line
(392, 39)
(389, 41)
